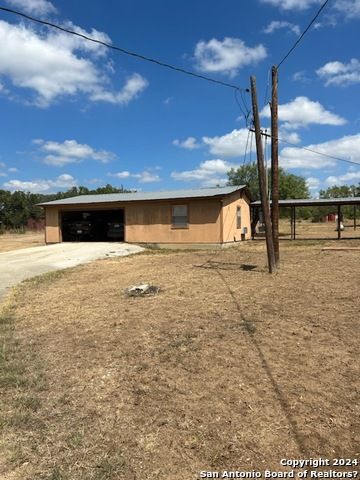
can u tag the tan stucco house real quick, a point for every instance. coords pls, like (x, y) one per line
(198, 216)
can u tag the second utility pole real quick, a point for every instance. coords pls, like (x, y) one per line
(262, 181)
(275, 166)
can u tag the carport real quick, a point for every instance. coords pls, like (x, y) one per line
(317, 202)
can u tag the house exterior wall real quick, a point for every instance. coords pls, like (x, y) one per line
(231, 232)
(52, 227)
(210, 220)
(151, 222)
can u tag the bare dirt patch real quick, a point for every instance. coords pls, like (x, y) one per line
(226, 368)
(16, 241)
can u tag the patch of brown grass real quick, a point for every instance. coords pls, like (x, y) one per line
(16, 241)
(305, 229)
(227, 368)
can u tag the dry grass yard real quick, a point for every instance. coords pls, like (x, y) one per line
(226, 368)
(10, 241)
(325, 231)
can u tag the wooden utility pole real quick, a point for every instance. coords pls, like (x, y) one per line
(275, 166)
(262, 180)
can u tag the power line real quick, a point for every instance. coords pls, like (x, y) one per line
(246, 113)
(122, 50)
(310, 150)
(304, 33)
(320, 153)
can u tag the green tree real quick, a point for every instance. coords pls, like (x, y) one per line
(343, 191)
(246, 175)
(290, 185)
(76, 191)
(108, 189)
(5, 201)
(15, 212)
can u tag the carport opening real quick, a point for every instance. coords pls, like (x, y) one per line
(93, 226)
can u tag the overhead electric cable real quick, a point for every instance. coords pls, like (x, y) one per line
(266, 99)
(304, 33)
(320, 153)
(246, 146)
(311, 150)
(246, 113)
(122, 50)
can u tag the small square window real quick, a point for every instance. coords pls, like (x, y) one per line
(180, 216)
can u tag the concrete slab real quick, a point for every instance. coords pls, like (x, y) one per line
(19, 265)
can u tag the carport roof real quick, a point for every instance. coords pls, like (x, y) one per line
(143, 196)
(313, 202)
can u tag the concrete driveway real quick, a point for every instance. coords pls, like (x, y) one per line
(18, 265)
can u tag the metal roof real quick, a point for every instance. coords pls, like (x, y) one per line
(143, 196)
(313, 202)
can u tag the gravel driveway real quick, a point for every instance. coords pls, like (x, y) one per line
(18, 265)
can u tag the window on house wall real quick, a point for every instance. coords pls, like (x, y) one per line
(180, 216)
(238, 217)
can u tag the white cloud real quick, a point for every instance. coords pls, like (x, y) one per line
(301, 76)
(60, 154)
(233, 144)
(36, 7)
(347, 178)
(293, 4)
(226, 56)
(13, 169)
(347, 148)
(94, 181)
(340, 74)
(277, 25)
(350, 8)
(291, 137)
(50, 66)
(42, 186)
(131, 90)
(209, 173)
(313, 183)
(189, 144)
(146, 176)
(124, 174)
(71, 42)
(302, 112)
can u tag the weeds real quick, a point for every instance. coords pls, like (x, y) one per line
(109, 466)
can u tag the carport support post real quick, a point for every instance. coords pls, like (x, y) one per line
(293, 227)
(262, 180)
(354, 217)
(339, 222)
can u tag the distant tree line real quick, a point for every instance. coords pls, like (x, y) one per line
(16, 208)
(344, 191)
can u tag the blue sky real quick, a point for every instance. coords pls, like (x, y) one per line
(77, 113)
